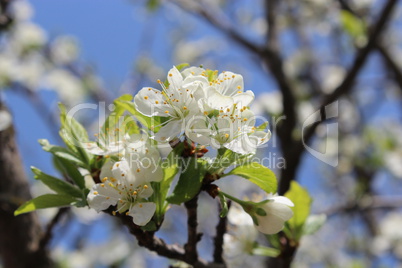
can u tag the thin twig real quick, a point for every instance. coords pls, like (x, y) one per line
(391, 64)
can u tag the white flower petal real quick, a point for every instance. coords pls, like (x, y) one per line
(146, 191)
(142, 213)
(244, 99)
(169, 131)
(175, 78)
(282, 200)
(270, 224)
(101, 197)
(230, 83)
(106, 170)
(150, 102)
(216, 100)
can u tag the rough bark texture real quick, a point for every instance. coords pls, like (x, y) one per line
(19, 236)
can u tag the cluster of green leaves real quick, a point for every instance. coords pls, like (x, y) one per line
(69, 161)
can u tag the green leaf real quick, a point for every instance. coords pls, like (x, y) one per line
(69, 169)
(60, 152)
(190, 181)
(45, 201)
(262, 176)
(152, 5)
(265, 251)
(225, 159)
(353, 25)
(181, 66)
(314, 223)
(153, 123)
(302, 202)
(73, 135)
(170, 168)
(59, 186)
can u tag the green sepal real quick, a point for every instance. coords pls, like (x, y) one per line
(265, 251)
(224, 205)
(150, 227)
(260, 212)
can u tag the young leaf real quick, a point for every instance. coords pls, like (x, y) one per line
(70, 170)
(302, 202)
(181, 66)
(262, 176)
(73, 135)
(353, 25)
(45, 201)
(59, 186)
(190, 181)
(60, 152)
(152, 123)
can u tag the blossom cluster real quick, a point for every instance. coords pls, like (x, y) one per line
(126, 183)
(208, 108)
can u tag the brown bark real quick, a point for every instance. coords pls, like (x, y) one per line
(19, 236)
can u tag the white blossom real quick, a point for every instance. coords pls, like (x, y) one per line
(277, 211)
(126, 183)
(64, 49)
(177, 102)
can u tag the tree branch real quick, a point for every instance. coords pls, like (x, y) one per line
(192, 237)
(19, 236)
(47, 236)
(391, 64)
(377, 27)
